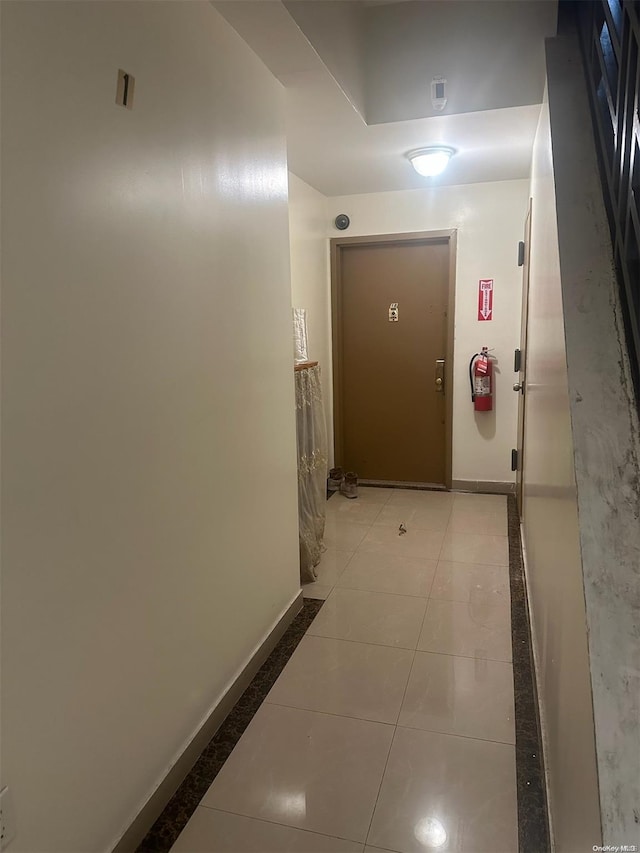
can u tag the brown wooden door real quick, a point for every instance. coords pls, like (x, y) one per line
(392, 413)
(521, 375)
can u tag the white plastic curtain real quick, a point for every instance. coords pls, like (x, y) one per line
(312, 469)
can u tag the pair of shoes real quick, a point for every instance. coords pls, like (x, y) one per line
(336, 479)
(346, 484)
(349, 487)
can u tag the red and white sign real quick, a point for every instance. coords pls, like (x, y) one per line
(485, 299)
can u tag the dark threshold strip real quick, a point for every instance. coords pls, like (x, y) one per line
(533, 824)
(165, 831)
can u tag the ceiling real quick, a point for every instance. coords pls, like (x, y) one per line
(357, 78)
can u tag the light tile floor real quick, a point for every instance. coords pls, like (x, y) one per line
(392, 726)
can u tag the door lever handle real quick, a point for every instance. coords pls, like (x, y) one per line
(439, 377)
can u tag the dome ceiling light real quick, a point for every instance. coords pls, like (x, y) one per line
(432, 160)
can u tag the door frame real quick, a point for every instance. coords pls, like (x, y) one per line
(337, 244)
(522, 373)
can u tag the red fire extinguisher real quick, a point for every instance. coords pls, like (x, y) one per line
(481, 379)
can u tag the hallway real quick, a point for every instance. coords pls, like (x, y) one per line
(176, 178)
(392, 725)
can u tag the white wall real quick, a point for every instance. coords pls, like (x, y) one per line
(149, 517)
(309, 276)
(551, 534)
(337, 32)
(495, 60)
(489, 218)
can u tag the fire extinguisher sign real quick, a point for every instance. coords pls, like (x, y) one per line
(485, 299)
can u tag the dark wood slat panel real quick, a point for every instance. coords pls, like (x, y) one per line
(614, 95)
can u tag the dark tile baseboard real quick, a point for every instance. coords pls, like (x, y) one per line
(533, 821)
(165, 831)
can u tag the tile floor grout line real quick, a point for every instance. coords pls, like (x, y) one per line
(362, 589)
(464, 657)
(414, 527)
(381, 849)
(371, 643)
(456, 734)
(480, 565)
(413, 659)
(468, 601)
(433, 580)
(377, 514)
(377, 592)
(404, 648)
(277, 823)
(329, 713)
(424, 616)
(384, 770)
(406, 687)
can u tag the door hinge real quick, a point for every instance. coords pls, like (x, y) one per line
(521, 253)
(517, 361)
(514, 460)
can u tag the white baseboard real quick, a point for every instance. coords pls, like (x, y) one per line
(189, 754)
